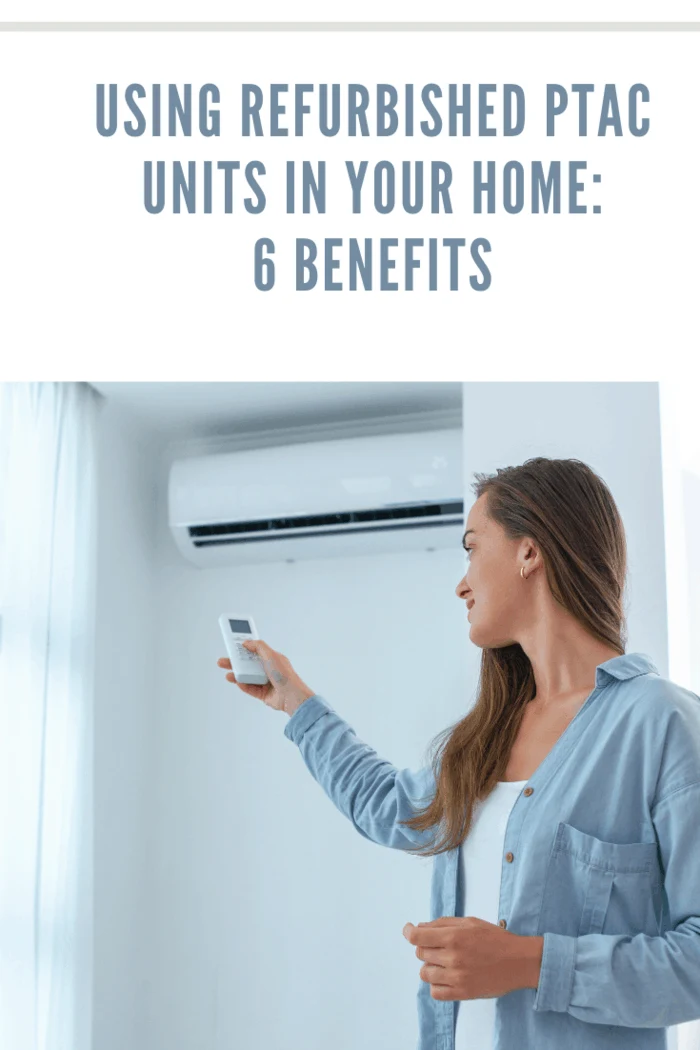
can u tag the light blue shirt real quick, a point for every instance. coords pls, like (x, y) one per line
(606, 862)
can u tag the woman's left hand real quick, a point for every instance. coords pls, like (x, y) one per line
(469, 958)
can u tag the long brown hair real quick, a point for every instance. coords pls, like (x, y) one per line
(569, 512)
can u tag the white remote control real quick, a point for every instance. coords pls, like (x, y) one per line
(245, 664)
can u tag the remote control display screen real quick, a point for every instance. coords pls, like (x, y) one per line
(240, 626)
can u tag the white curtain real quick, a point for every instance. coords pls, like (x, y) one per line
(680, 434)
(47, 587)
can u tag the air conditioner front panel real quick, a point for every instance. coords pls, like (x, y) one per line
(316, 477)
(319, 499)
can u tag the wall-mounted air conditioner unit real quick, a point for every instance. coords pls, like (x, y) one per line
(320, 499)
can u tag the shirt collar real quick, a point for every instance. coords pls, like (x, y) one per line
(628, 665)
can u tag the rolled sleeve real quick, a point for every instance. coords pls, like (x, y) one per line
(556, 973)
(304, 716)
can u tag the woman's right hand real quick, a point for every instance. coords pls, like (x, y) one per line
(285, 690)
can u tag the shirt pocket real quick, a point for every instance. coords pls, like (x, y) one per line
(594, 886)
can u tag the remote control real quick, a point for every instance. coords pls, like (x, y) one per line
(245, 665)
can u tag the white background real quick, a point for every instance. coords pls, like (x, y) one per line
(92, 284)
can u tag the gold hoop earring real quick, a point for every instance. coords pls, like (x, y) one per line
(522, 572)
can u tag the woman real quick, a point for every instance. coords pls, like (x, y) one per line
(562, 810)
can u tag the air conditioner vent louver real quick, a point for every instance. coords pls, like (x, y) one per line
(273, 528)
(381, 494)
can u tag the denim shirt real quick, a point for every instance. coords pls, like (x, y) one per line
(605, 844)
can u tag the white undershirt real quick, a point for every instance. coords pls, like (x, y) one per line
(480, 863)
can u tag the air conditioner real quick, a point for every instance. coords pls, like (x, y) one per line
(319, 499)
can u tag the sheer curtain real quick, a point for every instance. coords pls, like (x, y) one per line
(680, 433)
(47, 587)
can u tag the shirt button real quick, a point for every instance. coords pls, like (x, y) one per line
(509, 857)
(502, 923)
(528, 791)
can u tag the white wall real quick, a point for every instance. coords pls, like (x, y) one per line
(125, 675)
(681, 459)
(681, 466)
(275, 918)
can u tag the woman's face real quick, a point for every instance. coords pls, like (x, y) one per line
(493, 582)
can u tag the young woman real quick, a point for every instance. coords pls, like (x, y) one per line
(561, 811)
